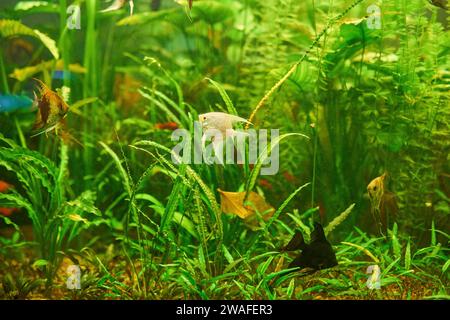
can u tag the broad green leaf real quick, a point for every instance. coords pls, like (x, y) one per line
(40, 263)
(10, 28)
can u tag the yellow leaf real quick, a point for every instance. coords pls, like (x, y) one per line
(233, 203)
(279, 264)
(73, 67)
(77, 217)
(48, 42)
(22, 74)
(354, 21)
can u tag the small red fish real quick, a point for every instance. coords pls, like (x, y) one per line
(190, 4)
(289, 177)
(265, 183)
(166, 126)
(5, 186)
(8, 211)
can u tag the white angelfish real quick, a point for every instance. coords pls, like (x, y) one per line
(219, 126)
(221, 121)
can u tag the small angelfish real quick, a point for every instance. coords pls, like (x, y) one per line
(383, 203)
(317, 255)
(220, 121)
(52, 109)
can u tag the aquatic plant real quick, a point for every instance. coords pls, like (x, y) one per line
(354, 97)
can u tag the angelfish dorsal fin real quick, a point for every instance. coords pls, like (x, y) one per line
(234, 119)
(318, 234)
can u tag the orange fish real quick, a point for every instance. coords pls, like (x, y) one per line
(4, 186)
(166, 126)
(289, 177)
(52, 109)
(265, 183)
(7, 211)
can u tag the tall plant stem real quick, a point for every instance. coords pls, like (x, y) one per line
(90, 87)
(295, 65)
(64, 45)
(3, 73)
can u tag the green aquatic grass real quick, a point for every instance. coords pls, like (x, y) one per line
(56, 221)
(351, 103)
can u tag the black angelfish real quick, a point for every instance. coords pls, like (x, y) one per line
(317, 255)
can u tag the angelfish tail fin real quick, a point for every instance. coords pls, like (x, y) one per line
(116, 5)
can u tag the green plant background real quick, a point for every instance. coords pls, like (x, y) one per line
(370, 101)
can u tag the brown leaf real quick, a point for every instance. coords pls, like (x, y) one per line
(233, 203)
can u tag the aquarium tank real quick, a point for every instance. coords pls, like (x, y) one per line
(224, 150)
